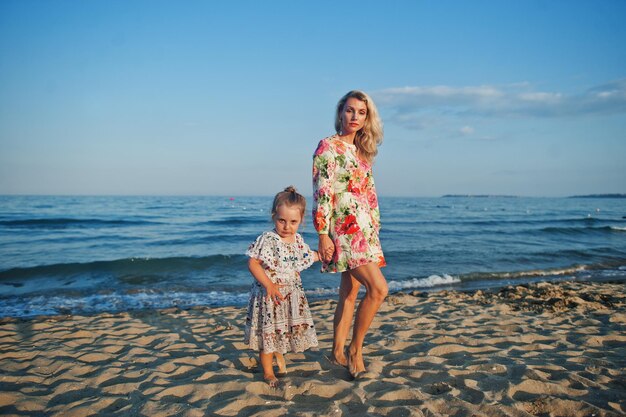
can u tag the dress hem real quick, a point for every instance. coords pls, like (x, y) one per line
(326, 271)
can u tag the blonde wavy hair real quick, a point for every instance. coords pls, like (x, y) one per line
(370, 136)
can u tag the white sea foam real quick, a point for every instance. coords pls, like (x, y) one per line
(53, 305)
(322, 292)
(431, 281)
(545, 272)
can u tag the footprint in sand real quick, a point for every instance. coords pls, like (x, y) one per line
(437, 388)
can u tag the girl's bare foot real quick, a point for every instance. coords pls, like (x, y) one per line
(272, 381)
(267, 360)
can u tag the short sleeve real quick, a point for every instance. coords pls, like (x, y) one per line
(264, 249)
(306, 258)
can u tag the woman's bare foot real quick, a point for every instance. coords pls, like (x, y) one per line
(280, 362)
(339, 357)
(355, 362)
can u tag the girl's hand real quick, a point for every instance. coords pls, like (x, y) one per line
(326, 248)
(273, 292)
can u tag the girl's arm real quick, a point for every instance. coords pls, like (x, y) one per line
(272, 290)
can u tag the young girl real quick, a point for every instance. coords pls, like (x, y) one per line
(279, 319)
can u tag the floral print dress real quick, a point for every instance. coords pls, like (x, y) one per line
(346, 205)
(286, 326)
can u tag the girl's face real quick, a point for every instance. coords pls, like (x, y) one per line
(287, 220)
(353, 116)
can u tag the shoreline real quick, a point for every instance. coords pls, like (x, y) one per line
(108, 302)
(548, 348)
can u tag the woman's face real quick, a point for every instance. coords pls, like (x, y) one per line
(353, 116)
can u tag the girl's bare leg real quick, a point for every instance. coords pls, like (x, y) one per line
(348, 291)
(376, 290)
(267, 360)
(280, 362)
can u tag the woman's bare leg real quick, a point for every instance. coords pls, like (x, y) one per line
(348, 291)
(376, 290)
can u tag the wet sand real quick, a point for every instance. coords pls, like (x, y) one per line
(548, 349)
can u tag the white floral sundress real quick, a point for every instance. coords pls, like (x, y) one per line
(346, 205)
(287, 326)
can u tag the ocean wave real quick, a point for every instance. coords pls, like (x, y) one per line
(123, 267)
(582, 220)
(394, 285)
(237, 221)
(582, 230)
(207, 238)
(429, 282)
(494, 276)
(60, 223)
(115, 302)
(321, 292)
(612, 268)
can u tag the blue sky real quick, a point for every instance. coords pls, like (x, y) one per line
(231, 98)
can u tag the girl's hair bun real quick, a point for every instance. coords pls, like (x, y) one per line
(290, 197)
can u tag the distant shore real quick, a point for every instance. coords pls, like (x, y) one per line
(515, 196)
(539, 349)
(599, 196)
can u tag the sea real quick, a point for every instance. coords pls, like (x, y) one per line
(91, 254)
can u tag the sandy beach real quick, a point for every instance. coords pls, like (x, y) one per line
(547, 349)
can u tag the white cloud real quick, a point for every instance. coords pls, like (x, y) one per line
(541, 97)
(466, 130)
(412, 106)
(443, 91)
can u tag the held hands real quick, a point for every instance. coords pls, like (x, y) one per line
(326, 248)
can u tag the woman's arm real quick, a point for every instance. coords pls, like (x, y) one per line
(323, 194)
(372, 200)
(272, 290)
(326, 248)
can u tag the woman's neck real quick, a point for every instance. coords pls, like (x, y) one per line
(349, 138)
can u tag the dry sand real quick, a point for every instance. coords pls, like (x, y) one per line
(551, 349)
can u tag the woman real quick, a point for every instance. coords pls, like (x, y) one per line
(347, 220)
